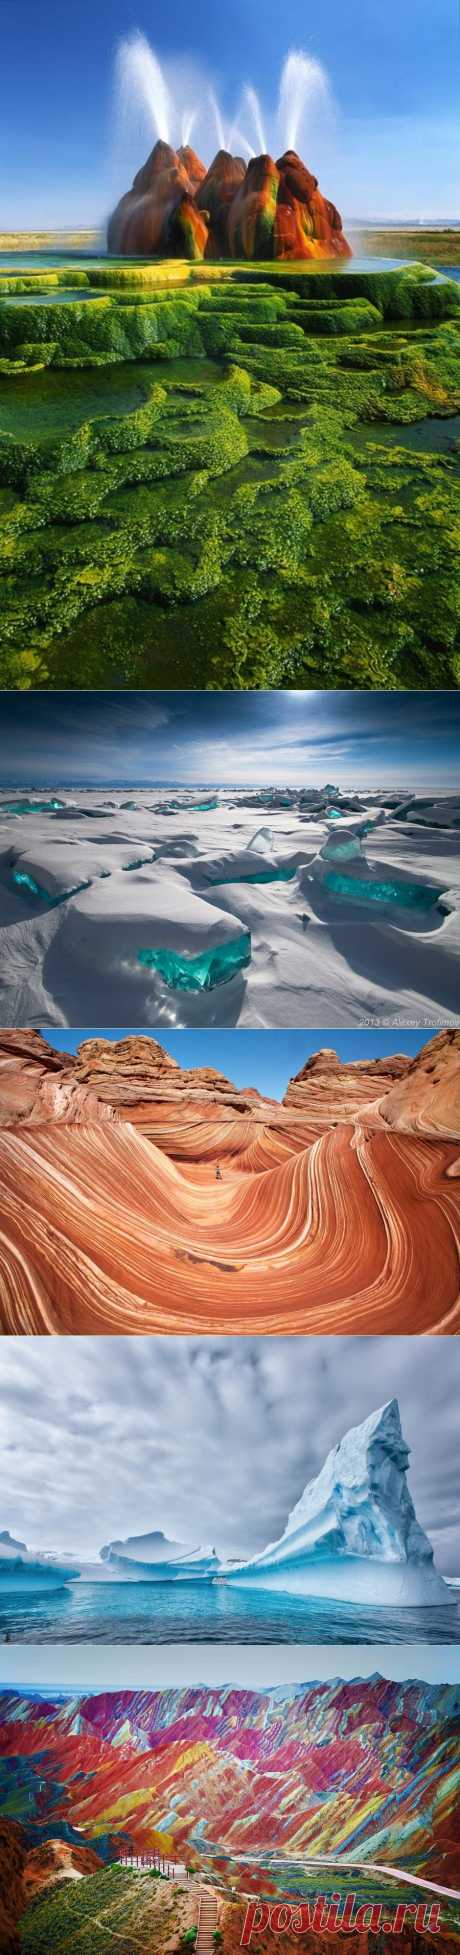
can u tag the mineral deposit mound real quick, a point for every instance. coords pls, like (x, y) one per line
(260, 210)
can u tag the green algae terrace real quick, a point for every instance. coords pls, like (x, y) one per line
(229, 476)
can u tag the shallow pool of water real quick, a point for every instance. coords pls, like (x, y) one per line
(436, 434)
(53, 400)
(49, 403)
(61, 295)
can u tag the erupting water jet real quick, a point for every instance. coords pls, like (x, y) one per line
(258, 208)
(141, 82)
(303, 80)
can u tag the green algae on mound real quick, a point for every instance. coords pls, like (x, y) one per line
(159, 529)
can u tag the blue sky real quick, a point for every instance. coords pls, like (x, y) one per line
(386, 146)
(402, 740)
(263, 1059)
(257, 1668)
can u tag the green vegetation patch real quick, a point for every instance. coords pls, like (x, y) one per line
(192, 488)
(117, 1908)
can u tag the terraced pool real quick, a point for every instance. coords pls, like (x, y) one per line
(32, 409)
(191, 493)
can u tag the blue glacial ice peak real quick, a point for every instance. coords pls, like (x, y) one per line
(354, 1532)
(363, 1489)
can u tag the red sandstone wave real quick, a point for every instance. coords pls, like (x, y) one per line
(357, 1232)
(338, 1211)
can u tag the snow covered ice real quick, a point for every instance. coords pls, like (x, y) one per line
(179, 909)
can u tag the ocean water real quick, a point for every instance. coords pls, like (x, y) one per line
(177, 1612)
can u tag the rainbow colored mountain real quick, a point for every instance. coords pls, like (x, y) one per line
(365, 1772)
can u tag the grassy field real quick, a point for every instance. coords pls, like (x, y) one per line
(228, 475)
(114, 1910)
(435, 247)
(81, 240)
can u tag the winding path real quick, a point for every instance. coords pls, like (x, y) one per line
(207, 1924)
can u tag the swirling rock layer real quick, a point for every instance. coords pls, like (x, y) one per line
(185, 1204)
(262, 210)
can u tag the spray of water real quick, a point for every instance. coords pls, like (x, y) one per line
(141, 84)
(237, 136)
(188, 123)
(214, 106)
(251, 102)
(170, 112)
(303, 83)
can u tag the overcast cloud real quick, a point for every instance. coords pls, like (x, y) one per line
(210, 1439)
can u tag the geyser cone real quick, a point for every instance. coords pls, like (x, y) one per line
(307, 225)
(216, 194)
(253, 212)
(188, 230)
(162, 157)
(196, 170)
(159, 213)
(261, 210)
(295, 177)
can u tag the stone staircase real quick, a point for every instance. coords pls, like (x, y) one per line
(207, 1922)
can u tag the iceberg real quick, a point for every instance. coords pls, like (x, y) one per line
(56, 869)
(20, 1568)
(354, 1535)
(152, 1558)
